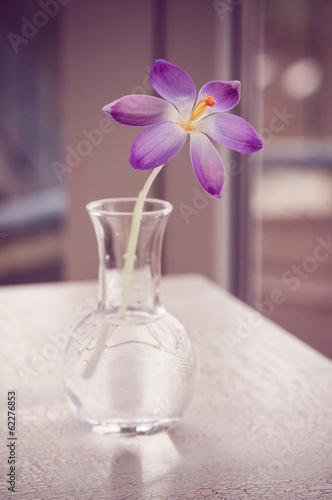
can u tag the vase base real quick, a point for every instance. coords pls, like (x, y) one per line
(134, 429)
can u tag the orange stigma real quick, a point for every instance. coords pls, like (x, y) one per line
(201, 107)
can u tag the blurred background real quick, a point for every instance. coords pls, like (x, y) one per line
(269, 240)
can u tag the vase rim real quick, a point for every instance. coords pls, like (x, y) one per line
(96, 206)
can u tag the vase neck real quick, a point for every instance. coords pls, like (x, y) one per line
(112, 221)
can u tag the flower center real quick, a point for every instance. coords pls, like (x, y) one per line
(198, 111)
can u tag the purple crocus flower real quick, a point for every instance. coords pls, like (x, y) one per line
(171, 119)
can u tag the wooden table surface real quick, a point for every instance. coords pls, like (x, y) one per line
(260, 426)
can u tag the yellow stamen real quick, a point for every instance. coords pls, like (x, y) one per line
(201, 107)
(198, 111)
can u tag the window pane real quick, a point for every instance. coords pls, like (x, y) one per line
(292, 198)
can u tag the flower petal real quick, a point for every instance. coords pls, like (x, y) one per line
(226, 95)
(232, 131)
(173, 84)
(156, 145)
(140, 110)
(208, 166)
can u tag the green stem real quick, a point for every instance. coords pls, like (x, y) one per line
(105, 329)
(103, 335)
(133, 238)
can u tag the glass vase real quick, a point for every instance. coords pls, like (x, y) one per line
(131, 372)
